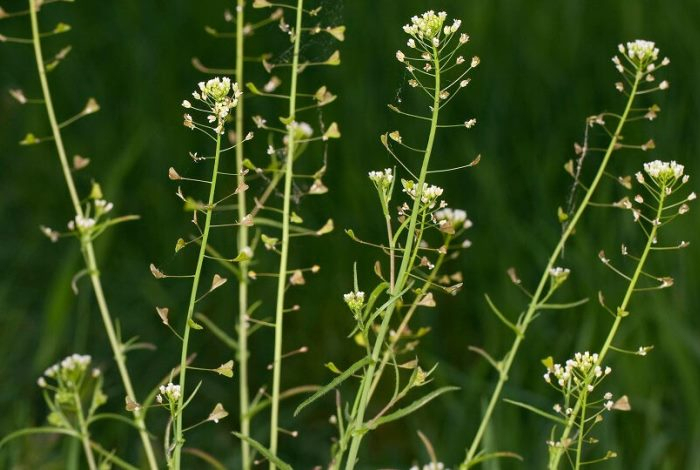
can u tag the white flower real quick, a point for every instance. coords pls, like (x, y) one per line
(355, 300)
(400, 56)
(428, 25)
(171, 392)
(641, 50)
(475, 61)
(457, 218)
(382, 179)
(186, 104)
(663, 173)
(470, 123)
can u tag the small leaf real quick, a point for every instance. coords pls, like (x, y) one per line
(131, 405)
(333, 368)
(253, 89)
(79, 162)
(337, 32)
(180, 244)
(173, 175)
(332, 132)
(359, 340)
(61, 28)
(561, 215)
(242, 256)
(194, 325)
(622, 404)
(297, 278)
(334, 383)
(261, 4)
(264, 450)
(401, 412)
(427, 300)
(29, 139)
(295, 219)
(157, 273)
(163, 314)
(217, 413)
(318, 187)
(225, 369)
(96, 191)
(334, 59)
(548, 362)
(217, 282)
(328, 227)
(92, 106)
(269, 242)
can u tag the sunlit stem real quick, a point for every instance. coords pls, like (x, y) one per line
(179, 437)
(282, 279)
(536, 298)
(86, 243)
(243, 397)
(401, 279)
(556, 454)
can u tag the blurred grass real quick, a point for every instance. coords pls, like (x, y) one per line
(545, 67)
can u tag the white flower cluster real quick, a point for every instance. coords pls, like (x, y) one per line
(430, 466)
(68, 372)
(219, 96)
(663, 172)
(69, 364)
(382, 179)
(355, 300)
(559, 275)
(428, 25)
(640, 50)
(102, 206)
(170, 392)
(429, 195)
(576, 372)
(82, 223)
(456, 218)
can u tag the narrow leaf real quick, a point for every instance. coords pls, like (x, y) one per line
(333, 384)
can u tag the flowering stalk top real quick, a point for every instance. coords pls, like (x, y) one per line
(219, 96)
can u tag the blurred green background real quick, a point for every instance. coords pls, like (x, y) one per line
(545, 67)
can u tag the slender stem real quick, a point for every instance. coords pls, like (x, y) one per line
(84, 434)
(557, 452)
(243, 397)
(402, 278)
(179, 439)
(535, 301)
(582, 429)
(282, 279)
(86, 243)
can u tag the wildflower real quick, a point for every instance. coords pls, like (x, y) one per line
(470, 123)
(102, 206)
(186, 104)
(663, 85)
(456, 218)
(463, 38)
(559, 275)
(170, 392)
(475, 61)
(355, 300)
(641, 51)
(400, 56)
(427, 26)
(429, 195)
(663, 173)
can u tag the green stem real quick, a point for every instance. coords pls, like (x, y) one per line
(582, 429)
(402, 278)
(555, 457)
(535, 301)
(282, 279)
(86, 243)
(244, 399)
(84, 434)
(179, 439)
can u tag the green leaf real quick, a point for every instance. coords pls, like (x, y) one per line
(295, 219)
(253, 89)
(544, 414)
(194, 325)
(264, 451)
(401, 412)
(334, 383)
(29, 139)
(181, 243)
